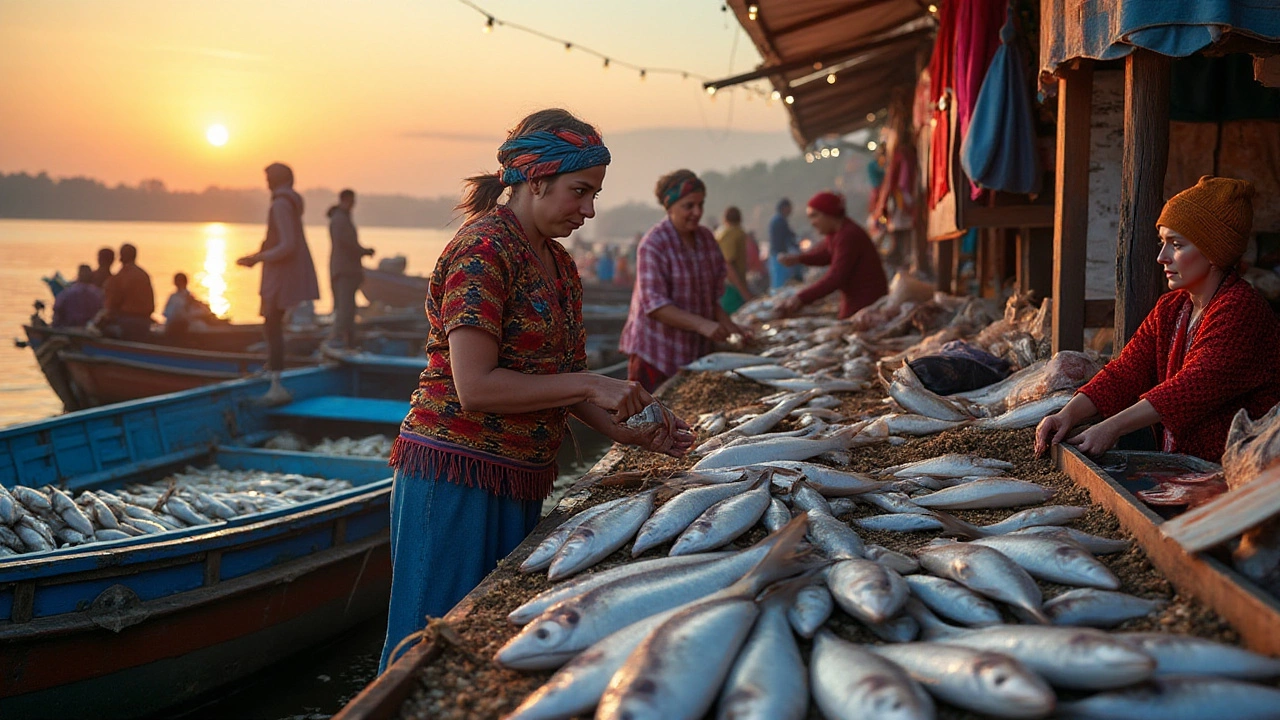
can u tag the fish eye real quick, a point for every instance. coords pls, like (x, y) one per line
(1000, 679)
(541, 633)
(572, 617)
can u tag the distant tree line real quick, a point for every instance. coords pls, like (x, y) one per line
(754, 189)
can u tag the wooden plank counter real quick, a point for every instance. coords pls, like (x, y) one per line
(1253, 612)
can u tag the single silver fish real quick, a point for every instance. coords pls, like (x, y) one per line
(768, 681)
(833, 537)
(804, 497)
(1069, 657)
(866, 590)
(33, 499)
(983, 682)
(70, 512)
(1055, 560)
(1098, 608)
(907, 390)
(892, 502)
(540, 557)
(598, 537)
(1190, 655)
(765, 421)
(900, 522)
(953, 601)
(721, 361)
(810, 609)
(680, 511)
(98, 510)
(8, 507)
(180, 509)
(212, 507)
(812, 382)
(1093, 543)
(778, 449)
(914, 425)
(146, 526)
(765, 372)
(776, 516)
(536, 605)
(576, 623)
(724, 521)
(996, 492)
(107, 534)
(984, 571)
(851, 683)
(1180, 698)
(1027, 414)
(1035, 517)
(842, 505)
(826, 480)
(951, 465)
(896, 561)
(652, 414)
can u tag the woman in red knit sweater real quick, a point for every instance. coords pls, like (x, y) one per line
(1209, 348)
(854, 265)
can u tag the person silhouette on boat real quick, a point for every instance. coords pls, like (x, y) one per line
(182, 311)
(288, 274)
(129, 301)
(346, 273)
(78, 302)
(506, 366)
(106, 258)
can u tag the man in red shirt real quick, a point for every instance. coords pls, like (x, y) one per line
(854, 266)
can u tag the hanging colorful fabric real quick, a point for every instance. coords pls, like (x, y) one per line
(1000, 151)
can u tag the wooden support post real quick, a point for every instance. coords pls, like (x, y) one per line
(943, 250)
(982, 260)
(1071, 206)
(1139, 279)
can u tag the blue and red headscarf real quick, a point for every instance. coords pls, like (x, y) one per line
(542, 153)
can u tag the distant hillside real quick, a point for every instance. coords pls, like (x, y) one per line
(754, 189)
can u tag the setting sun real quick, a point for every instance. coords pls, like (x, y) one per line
(217, 135)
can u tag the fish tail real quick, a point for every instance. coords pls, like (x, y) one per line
(952, 525)
(784, 559)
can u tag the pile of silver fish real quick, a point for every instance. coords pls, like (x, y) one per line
(373, 446)
(42, 519)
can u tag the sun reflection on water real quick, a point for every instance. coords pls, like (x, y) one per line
(213, 277)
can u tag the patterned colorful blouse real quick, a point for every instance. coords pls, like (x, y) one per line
(668, 272)
(490, 278)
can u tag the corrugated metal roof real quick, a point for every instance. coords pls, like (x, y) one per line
(870, 45)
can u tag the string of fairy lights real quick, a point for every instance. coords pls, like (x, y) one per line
(643, 72)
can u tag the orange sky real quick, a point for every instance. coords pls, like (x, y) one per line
(386, 95)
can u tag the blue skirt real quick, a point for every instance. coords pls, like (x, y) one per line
(445, 538)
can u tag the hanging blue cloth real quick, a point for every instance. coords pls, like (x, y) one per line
(999, 151)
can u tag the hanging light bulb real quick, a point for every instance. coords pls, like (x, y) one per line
(831, 79)
(776, 95)
(488, 25)
(835, 152)
(871, 117)
(790, 99)
(752, 11)
(711, 89)
(872, 145)
(643, 72)
(826, 152)
(933, 9)
(568, 47)
(808, 157)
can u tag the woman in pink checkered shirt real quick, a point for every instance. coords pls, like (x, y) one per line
(675, 312)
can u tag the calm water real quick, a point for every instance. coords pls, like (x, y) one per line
(206, 252)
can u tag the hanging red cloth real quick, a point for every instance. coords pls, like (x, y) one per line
(940, 79)
(977, 37)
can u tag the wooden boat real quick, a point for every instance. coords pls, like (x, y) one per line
(130, 627)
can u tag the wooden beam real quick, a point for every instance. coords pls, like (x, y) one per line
(1071, 206)
(1228, 515)
(828, 16)
(825, 58)
(1139, 279)
(1006, 216)
(943, 256)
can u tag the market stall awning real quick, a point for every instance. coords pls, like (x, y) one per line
(1111, 29)
(867, 47)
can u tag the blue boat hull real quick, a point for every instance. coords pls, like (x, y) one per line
(131, 627)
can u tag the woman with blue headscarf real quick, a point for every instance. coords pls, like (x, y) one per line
(506, 365)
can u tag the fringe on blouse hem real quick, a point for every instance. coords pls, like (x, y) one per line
(421, 460)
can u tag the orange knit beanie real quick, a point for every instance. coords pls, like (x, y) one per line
(1216, 216)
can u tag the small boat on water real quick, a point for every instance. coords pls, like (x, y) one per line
(132, 626)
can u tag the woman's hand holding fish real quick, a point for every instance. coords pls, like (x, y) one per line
(622, 398)
(674, 438)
